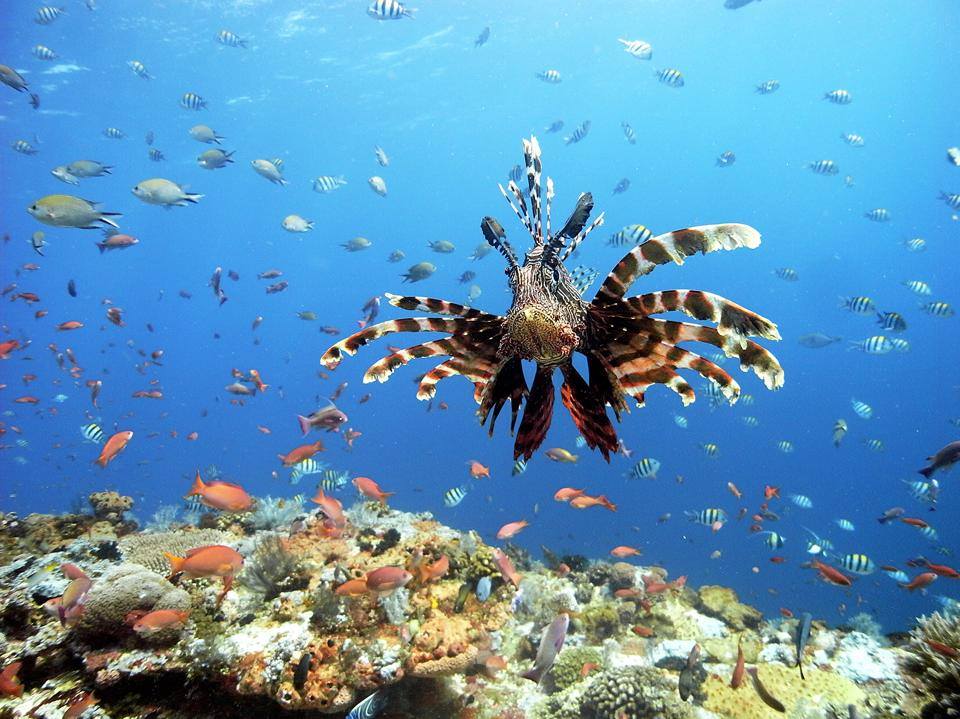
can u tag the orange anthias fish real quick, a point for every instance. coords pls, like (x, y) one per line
(771, 492)
(7, 347)
(477, 470)
(831, 574)
(624, 551)
(941, 569)
(331, 507)
(939, 647)
(734, 490)
(79, 705)
(737, 679)
(370, 489)
(914, 522)
(114, 446)
(511, 529)
(224, 496)
(565, 494)
(386, 579)
(429, 572)
(642, 631)
(27, 399)
(584, 501)
(146, 623)
(506, 567)
(213, 560)
(260, 384)
(70, 325)
(10, 685)
(920, 581)
(298, 454)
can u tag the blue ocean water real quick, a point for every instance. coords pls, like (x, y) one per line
(320, 84)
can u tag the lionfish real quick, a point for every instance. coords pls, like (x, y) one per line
(627, 350)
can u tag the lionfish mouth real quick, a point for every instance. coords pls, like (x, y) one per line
(628, 350)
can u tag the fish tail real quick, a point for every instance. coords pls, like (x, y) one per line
(533, 675)
(102, 246)
(193, 197)
(304, 424)
(800, 667)
(384, 496)
(105, 218)
(588, 412)
(926, 471)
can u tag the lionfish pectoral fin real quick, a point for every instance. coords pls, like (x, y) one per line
(588, 412)
(507, 383)
(537, 415)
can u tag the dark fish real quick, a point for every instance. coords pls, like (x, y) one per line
(817, 340)
(550, 644)
(555, 126)
(34, 101)
(329, 418)
(215, 284)
(482, 38)
(278, 287)
(890, 514)
(622, 186)
(466, 589)
(232, 274)
(185, 295)
(803, 636)
(944, 459)
(302, 671)
(72, 288)
(467, 276)
(735, 5)
(691, 675)
(767, 697)
(149, 137)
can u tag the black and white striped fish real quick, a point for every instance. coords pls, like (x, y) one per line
(47, 14)
(937, 309)
(230, 39)
(952, 199)
(453, 497)
(92, 433)
(787, 273)
(332, 479)
(899, 344)
(857, 563)
(861, 409)
(918, 287)
(328, 183)
(578, 134)
(554, 126)
(892, 321)
(155, 154)
(551, 76)
(916, 244)
(773, 540)
(44, 53)
(388, 10)
(839, 431)
(858, 305)
(874, 445)
(305, 467)
(953, 156)
(192, 101)
(519, 467)
(583, 277)
(638, 48)
(516, 172)
(24, 147)
(876, 345)
(880, 214)
(765, 88)
(824, 167)
(139, 69)
(852, 139)
(631, 234)
(646, 468)
(710, 449)
(838, 97)
(707, 516)
(629, 133)
(114, 134)
(670, 77)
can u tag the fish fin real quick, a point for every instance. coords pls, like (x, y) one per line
(536, 416)
(197, 488)
(926, 472)
(176, 563)
(304, 424)
(193, 197)
(588, 412)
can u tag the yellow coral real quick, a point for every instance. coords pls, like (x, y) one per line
(445, 666)
(785, 685)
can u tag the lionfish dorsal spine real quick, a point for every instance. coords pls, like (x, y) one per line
(495, 236)
(549, 203)
(581, 236)
(531, 156)
(520, 212)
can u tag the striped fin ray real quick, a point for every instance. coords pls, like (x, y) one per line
(549, 203)
(605, 385)
(588, 412)
(332, 357)
(454, 366)
(751, 355)
(675, 247)
(430, 304)
(454, 346)
(531, 156)
(637, 382)
(732, 319)
(496, 237)
(507, 383)
(520, 212)
(581, 236)
(537, 415)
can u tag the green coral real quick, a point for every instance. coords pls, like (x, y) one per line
(568, 665)
(938, 673)
(723, 603)
(599, 621)
(480, 564)
(632, 693)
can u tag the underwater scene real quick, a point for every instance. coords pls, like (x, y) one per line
(720, 491)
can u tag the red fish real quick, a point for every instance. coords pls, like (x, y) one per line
(914, 522)
(386, 579)
(220, 495)
(565, 494)
(584, 501)
(477, 470)
(331, 508)
(642, 631)
(79, 705)
(6, 348)
(941, 648)
(352, 588)
(114, 446)
(831, 574)
(10, 685)
(623, 551)
(69, 325)
(942, 570)
(511, 529)
(771, 492)
(149, 622)
(506, 567)
(260, 384)
(737, 679)
(298, 454)
(920, 581)
(370, 489)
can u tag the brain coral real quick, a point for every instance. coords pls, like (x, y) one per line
(120, 591)
(632, 693)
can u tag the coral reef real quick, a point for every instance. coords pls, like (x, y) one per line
(110, 506)
(304, 628)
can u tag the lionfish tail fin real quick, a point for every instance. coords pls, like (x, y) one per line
(588, 412)
(537, 415)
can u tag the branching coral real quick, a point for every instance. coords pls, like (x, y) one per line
(933, 660)
(272, 569)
